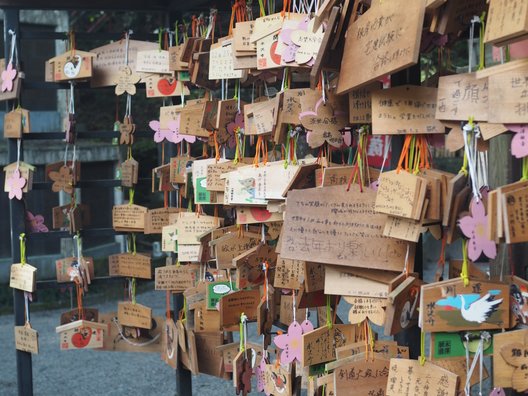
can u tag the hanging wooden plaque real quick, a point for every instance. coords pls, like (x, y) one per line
(507, 22)
(407, 375)
(128, 217)
(23, 277)
(383, 40)
(451, 306)
(349, 378)
(134, 315)
(507, 100)
(26, 339)
(350, 236)
(130, 265)
(405, 110)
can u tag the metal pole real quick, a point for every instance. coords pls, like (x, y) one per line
(17, 218)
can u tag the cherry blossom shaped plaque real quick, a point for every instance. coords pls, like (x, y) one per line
(178, 137)
(519, 143)
(16, 183)
(308, 42)
(475, 227)
(291, 342)
(35, 223)
(161, 134)
(8, 76)
(235, 127)
(62, 180)
(260, 370)
(290, 49)
(126, 81)
(323, 125)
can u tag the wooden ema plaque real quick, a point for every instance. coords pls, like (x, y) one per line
(349, 379)
(81, 335)
(176, 278)
(409, 377)
(401, 194)
(366, 308)
(156, 219)
(451, 306)
(402, 308)
(64, 266)
(130, 265)
(289, 274)
(26, 339)
(461, 96)
(333, 226)
(382, 41)
(23, 277)
(169, 344)
(249, 266)
(134, 315)
(507, 103)
(229, 246)
(232, 306)
(405, 110)
(319, 345)
(507, 22)
(128, 217)
(343, 281)
(508, 357)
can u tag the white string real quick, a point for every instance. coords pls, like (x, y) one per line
(128, 109)
(211, 19)
(71, 105)
(74, 157)
(294, 306)
(266, 89)
(252, 92)
(267, 284)
(26, 306)
(238, 97)
(405, 265)
(171, 34)
(475, 19)
(470, 149)
(283, 79)
(222, 90)
(127, 39)
(386, 152)
(19, 143)
(323, 88)
(13, 48)
(469, 370)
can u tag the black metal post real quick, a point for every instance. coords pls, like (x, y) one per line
(17, 216)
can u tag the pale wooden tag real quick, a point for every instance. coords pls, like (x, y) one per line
(320, 345)
(366, 307)
(153, 61)
(348, 382)
(462, 96)
(401, 194)
(168, 114)
(514, 211)
(175, 277)
(507, 101)
(189, 253)
(13, 124)
(26, 339)
(178, 169)
(236, 303)
(357, 240)
(405, 110)
(128, 217)
(26, 171)
(23, 277)
(229, 246)
(221, 62)
(206, 320)
(266, 25)
(72, 66)
(278, 380)
(395, 50)
(210, 360)
(156, 219)
(134, 315)
(267, 57)
(157, 86)
(190, 226)
(500, 32)
(406, 374)
(503, 370)
(129, 172)
(130, 265)
(342, 281)
(360, 104)
(451, 306)
(289, 274)
(242, 37)
(191, 118)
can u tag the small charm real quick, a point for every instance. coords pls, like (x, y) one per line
(127, 129)
(62, 180)
(15, 184)
(8, 76)
(126, 81)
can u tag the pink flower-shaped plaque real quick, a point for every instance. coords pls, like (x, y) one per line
(15, 184)
(475, 227)
(8, 76)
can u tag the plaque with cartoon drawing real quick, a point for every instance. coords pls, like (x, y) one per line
(451, 306)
